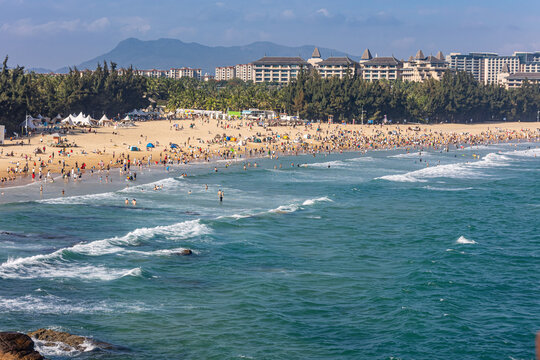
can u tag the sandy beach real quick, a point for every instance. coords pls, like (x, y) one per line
(202, 139)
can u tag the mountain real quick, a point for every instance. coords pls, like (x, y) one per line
(39, 70)
(171, 53)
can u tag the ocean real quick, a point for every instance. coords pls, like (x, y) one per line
(349, 256)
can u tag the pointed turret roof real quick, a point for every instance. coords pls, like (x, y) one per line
(440, 55)
(316, 53)
(505, 68)
(366, 55)
(411, 58)
(419, 55)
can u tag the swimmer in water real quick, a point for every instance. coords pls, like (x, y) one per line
(220, 195)
(126, 201)
(134, 202)
(206, 186)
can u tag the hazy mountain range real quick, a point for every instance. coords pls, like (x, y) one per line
(171, 53)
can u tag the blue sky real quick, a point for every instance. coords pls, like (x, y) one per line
(51, 34)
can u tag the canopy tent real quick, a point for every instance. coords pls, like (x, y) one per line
(68, 121)
(31, 123)
(126, 118)
(104, 120)
(150, 145)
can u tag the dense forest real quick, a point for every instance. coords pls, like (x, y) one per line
(100, 92)
(458, 97)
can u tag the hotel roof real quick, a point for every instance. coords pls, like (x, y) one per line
(383, 61)
(280, 60)
(336, 61)
(524, 75)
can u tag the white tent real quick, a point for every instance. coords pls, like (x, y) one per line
(68, 121)
(31, 123)
(104, 120)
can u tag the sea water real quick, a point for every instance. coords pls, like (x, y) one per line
(350, 256)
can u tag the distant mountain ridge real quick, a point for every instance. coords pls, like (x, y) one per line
(172, 53)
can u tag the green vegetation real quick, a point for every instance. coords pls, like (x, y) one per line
(457, 97)
(94, 93)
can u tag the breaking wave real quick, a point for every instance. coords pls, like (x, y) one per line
(57, 265)
(454, 171)
(464, 240)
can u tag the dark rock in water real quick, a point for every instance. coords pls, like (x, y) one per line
(184, 252)
(79, 343)
(17, 346)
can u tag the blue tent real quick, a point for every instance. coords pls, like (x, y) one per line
(174, 146)
(150, 145)
(134, 148)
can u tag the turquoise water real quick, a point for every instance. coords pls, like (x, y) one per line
(374, 257)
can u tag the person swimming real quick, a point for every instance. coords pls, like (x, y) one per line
(220, 195)
(126, 201)
(134, 202)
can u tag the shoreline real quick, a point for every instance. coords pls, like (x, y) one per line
(89, 185)
(95, 153)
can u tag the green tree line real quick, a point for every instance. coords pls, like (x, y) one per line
(458, 97)
(96, 93)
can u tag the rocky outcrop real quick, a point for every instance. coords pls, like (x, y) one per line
(17, 346)
(66, 341)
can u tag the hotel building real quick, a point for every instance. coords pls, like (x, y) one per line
(244, 72)
(421, 68)
(279, 70)
(225, 73)
(379, 68)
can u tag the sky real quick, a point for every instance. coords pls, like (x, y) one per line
(55, 33)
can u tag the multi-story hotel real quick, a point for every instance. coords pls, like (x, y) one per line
(337, 67)
(379, 68)
(244, 72)
(421, 68)
(225, 73)
(486, 67)
(172, 73)
(184, 72)
(279, 70)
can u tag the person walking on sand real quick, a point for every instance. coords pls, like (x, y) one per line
(220, 195)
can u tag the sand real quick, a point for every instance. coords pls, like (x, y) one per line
(106, 144)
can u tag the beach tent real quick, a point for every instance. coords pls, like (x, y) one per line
(30, 122)
(174, 146)
(150, 145)
(67, 121)
(104, 120)
(126, 118)
(134, 148)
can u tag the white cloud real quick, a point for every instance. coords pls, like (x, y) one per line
(26, 27)
(323, 12)
(288, 14)
(135, 24)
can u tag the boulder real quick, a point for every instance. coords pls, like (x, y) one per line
(17, 346)
(80, 343)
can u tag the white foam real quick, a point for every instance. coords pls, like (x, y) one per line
(446, 189)
(168, 183)
(51, 348)
(80, 199)
(336, 163)
(314, 201)
(411, 155)
(54, 265)
(284, 209)
(361, 159)
(453, 171)
(464, 240)
(51, 304)
(524, 153)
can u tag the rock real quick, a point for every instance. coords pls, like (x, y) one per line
(186, 252)
(72, 342)
(17, 346)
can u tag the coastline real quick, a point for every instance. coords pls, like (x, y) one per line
(97, 151)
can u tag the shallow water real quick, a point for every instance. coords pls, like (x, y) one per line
(352, 256)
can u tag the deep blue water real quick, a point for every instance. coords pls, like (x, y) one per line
(374, 257)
